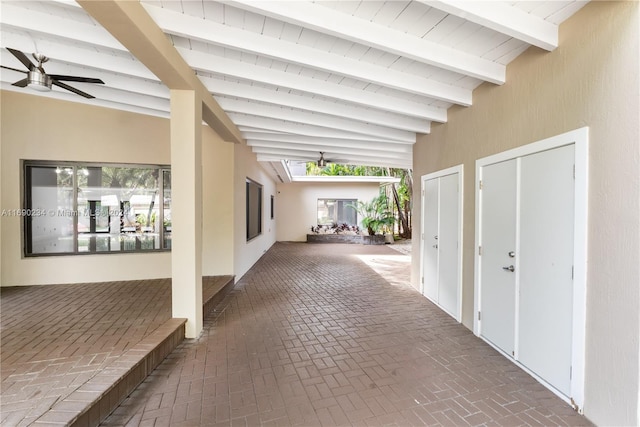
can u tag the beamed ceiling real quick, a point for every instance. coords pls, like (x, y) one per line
(356, 80)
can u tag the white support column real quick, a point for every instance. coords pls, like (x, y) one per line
(186, 209)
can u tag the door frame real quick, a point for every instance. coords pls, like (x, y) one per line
(459, 170)
(580, 139)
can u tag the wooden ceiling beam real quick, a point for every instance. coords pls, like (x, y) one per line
(504, 19)
(348, 27)
(224, 35)
(132, 26)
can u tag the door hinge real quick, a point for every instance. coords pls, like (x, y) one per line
(423, 192)
(572, 272)
(480, 185)
(480, 250)
(570, 372)
(422, 280)
(574, 171)
(479, 316)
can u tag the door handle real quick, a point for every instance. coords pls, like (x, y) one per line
(510, 268)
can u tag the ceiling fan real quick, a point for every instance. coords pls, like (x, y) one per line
(322, 162)
(39, 80)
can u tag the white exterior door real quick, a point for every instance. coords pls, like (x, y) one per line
(531, 213)
(431, 207)
(498, 249)
(546, 265)
(441, 246)
(448, 271)
(529, 306)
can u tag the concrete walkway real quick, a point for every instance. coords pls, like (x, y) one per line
(314, 335)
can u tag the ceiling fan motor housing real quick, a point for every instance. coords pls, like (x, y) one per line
(321, 161)
(38, 80)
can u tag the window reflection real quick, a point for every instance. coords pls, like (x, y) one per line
(336, 211)
(166, 209)
(113, 208)
(50, 188)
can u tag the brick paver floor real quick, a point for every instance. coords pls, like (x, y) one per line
(56, 338)
(313, 336)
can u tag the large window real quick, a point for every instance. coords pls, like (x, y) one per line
(337, 211)
(96, 208)
(254, 209)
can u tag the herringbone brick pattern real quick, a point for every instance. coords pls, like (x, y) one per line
(312, 336)
(56, 338)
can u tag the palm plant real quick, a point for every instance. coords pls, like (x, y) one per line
(375, 214)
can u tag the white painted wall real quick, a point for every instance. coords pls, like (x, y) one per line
(296, 204)
(247, 253)
(590, 80)
(37, 128)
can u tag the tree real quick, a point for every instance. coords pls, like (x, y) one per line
(402, 199)
(401, 194)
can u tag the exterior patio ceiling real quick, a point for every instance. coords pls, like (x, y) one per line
(356, 80)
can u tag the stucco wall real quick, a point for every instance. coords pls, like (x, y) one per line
(296, 204)
(247, 253)
(590, 80)
(37, 128)
(217, 205)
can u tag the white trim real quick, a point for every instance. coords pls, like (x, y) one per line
(580, 244)
(459, 169)
(516, 326)
(580, 139)
(380, 179)
(477, 270)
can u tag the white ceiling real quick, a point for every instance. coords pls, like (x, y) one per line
(354, 79)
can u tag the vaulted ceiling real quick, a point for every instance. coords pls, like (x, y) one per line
(356, 80)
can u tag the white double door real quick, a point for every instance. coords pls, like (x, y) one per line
(441, 240)
(526, 261)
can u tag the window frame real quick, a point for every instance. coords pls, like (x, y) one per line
(336, 219)
(251, 219)
(273, 212)
(26, 202)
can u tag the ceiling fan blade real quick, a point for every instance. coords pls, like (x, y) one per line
(72, 89)
(22, 58)
(21, 83)
(14, 69)
(75, 79)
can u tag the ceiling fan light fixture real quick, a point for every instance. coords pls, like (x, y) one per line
(38, 81)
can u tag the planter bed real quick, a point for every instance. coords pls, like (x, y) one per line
(346, 238)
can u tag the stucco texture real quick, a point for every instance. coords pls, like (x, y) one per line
(39, 128)
(590, 80)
